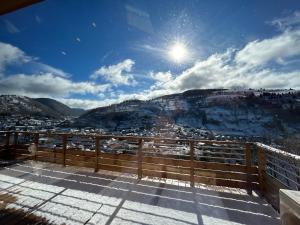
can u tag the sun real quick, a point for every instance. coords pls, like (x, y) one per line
(178, 52)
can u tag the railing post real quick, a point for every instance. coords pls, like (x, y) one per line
(16, 136)
(192, 171)
(248, 159)
(97, 153)
(6, 140)
(261, 168)
(3, 138)
(298, 175)
(64, 148)
(6, 144)
(36, 143)
(140, 158)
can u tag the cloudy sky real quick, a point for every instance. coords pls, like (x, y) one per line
(102, 52)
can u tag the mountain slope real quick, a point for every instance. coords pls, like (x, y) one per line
(13, 105)
(252, 113)
(59, 107)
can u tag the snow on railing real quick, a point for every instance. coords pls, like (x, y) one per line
(222, 163)
(282, 166)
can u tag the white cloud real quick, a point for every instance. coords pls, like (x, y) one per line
(11, 55)
(47, 85)
(268, 63)
(117, 74)
(283, 46)
(221, 71)
(43, 81)
(248, 67)
(217, 71)
(90, 104)
(214, 72)
(287, 22)
(44, 68)
(114, 99)
(80, 103)
(161, 77)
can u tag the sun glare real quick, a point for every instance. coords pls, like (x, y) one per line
(178, 52)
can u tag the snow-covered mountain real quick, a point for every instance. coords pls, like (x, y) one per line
(59, 107)
(13, 105)
(245, 112)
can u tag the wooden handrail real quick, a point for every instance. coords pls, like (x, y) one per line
(272, 168)
(135, 138)
(209, 172)
(267, 148)
(236, 170)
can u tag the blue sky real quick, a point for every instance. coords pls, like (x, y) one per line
(95, 53)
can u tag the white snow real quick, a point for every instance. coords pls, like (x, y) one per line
(123, 200)
(278, 151)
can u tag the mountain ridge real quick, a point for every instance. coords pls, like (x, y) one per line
(250, 112)
(37, 107)
(59, 107)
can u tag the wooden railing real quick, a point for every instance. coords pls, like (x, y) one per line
(277, 170)
(250, 166)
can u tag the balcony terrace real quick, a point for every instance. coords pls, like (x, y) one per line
(61, 178)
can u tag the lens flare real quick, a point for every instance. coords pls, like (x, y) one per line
(178, 52)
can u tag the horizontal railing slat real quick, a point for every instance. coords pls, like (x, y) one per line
(213, 162)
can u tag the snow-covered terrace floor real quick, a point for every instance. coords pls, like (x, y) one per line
(35, 190)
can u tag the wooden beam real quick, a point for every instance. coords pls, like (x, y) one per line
(192, 172)
(271, 190)
(123, 163)
(165, 166)
(97, 153)
(140, 159)
(135, 138)
(118, 168)
(65, 139)
(116, 156)
(8, 6)
(36, 142)
(261, 168)
(298, 174)
(16, 136)
(248, 159)
(6, 139)
(165, 160)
